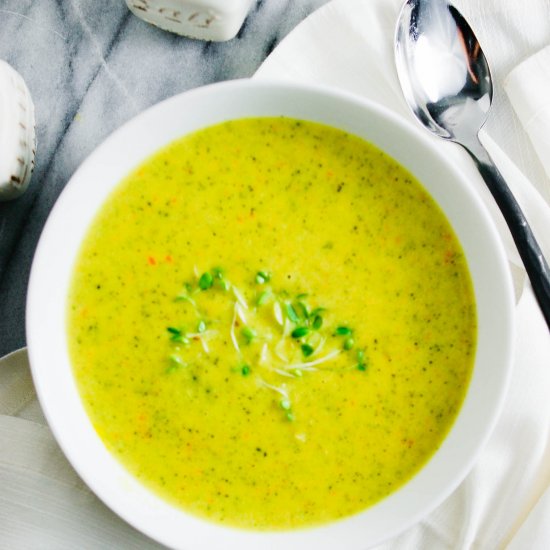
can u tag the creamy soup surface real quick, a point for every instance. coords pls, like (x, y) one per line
(272, 324)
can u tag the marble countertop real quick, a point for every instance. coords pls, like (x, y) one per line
(91, 66)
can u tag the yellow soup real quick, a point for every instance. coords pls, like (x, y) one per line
(272, 324)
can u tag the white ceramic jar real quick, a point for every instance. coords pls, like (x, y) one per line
(216, 20)
(17, 136)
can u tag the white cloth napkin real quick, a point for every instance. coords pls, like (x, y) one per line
(528, 87)
(505, 500)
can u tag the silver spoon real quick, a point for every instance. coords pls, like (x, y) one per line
(447, 83)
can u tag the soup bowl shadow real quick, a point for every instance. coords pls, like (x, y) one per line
(158, 126)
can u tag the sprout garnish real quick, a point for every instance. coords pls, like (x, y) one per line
(206, 281)
(262, 277)
(277, 344)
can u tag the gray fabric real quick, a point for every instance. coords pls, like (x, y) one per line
(91, 66)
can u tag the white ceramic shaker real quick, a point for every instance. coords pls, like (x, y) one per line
(17, 135)
(216, 20)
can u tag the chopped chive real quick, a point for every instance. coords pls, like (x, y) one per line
(302, 296)
(342, 331)
(297, 372)
(362, 367)
(245, 370)
(291, 313)
(307, 350)
(206, 281)
(285, 404)
(262, 277)
(348, 344)
(249, 334)
(290, 416)
(299, 332)
(360, 355)
(201, 327)
(317, 322)
(317, 311)
(263, 297)
(174, 331)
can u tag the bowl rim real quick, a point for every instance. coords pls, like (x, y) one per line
(63, 415)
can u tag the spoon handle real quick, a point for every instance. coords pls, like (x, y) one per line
(526, 243)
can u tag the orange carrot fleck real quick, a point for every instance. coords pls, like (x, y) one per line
(151, 260)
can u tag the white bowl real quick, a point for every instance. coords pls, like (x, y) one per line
(156, 127)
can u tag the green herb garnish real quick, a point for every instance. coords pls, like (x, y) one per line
(219, 279)
(348, 344)
(291, 313)
(285, 404)
(304, 334)
(299, 332)
(304, 311)
(361, 360)
(245, 370)
(249, 334)
(184, 297)
(206, 281)
(224, 284)
(176, 360)
(177, 335)
(342, 331)
(263, 297)
(262, 277)
(307, 350)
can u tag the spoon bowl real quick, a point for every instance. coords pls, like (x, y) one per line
(447, 83)
(444, 74)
